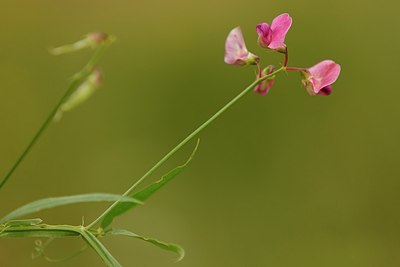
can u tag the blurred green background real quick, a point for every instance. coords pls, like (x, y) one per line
(281, 180)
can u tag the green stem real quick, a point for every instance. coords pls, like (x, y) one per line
(184, 141)
(76, 81)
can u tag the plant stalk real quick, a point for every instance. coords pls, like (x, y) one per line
(77, 79)
(184, 141)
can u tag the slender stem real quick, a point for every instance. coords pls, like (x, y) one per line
(37, 135)
(285, 62)
(259, 70)
(76, 81)
(295, 69)
(184, 141)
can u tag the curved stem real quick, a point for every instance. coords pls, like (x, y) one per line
(184, 141)
(77, 79)
(285, 62)
(259, 70)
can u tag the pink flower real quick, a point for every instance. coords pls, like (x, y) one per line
(273, 37)
(318, 78)
(264, 87)
(235, 50)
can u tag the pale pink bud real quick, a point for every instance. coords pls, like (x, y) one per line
(264, 87)
(235, 50)
(319, 78)
(91, 40)
(84, 91)
(273, 37)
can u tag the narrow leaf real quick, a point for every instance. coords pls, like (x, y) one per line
(37, 230)
(54, 231)
(142, 195)
(167, 246)
(100, 249)
(53, 202)
(27, 222)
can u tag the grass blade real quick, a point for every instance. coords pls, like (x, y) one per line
(29, 228)
(53, 202)
(167, 246)
(100, 249)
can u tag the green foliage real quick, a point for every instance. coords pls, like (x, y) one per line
(53, 202)
(32, 228)
(167, 246)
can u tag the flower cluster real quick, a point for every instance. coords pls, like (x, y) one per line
(317, 79)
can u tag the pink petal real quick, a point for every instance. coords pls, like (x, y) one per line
(235, 48)
(280, 26)
(323, 74)
(264, 87)
(327, 90)
(264, 34)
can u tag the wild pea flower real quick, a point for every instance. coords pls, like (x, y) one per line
(319, 78)
(236, 52)
(264, 87)
(91, 40)
(273, 37)
(82, 93)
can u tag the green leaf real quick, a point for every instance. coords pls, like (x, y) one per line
(100, 249)
(167, 246)
(53, 202)
(29, 228)
(27, 222)
(142, 195)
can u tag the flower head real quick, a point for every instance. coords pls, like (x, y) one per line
(273, 37)
(235, 50)
(319, 78)
(264, 87)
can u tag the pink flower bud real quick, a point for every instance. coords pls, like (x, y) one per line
(273, 37)
(235, 50)
(319, 78)
(264, 87)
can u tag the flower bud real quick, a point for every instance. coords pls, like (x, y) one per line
(264, 87)
(82, 93)
(91, 40)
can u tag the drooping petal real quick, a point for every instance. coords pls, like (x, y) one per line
(236, 52)
(279, 27)
(323, 74)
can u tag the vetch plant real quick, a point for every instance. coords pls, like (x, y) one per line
(317, 80)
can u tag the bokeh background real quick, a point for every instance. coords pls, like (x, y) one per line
(281, 180)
